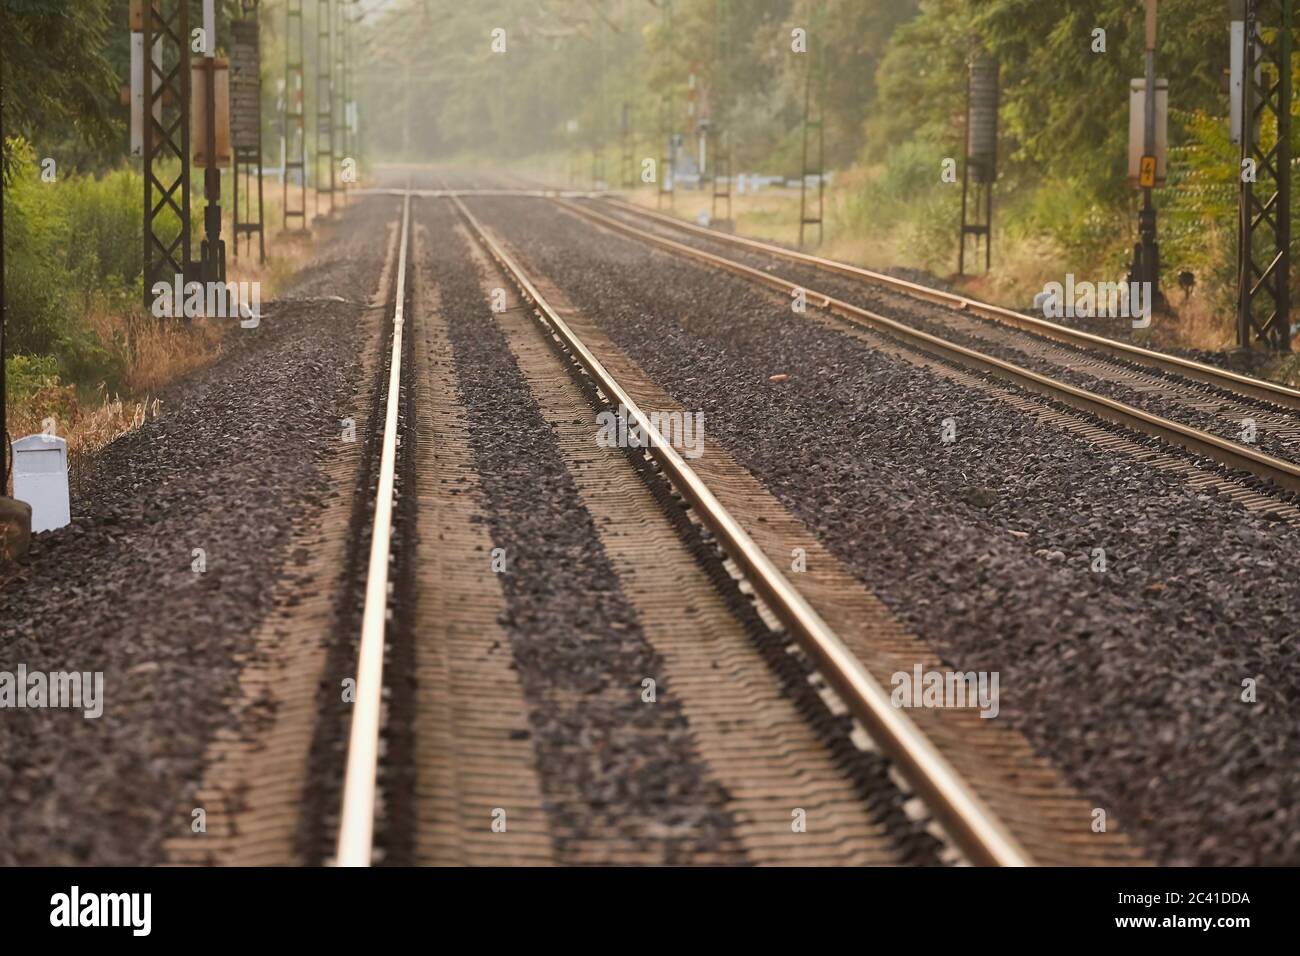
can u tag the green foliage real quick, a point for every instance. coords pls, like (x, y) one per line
(922, 81)
(70, 246)
(1064, 106)
(60, 87)
(1063, 189)
(903, 199)
(26, 375)
(1070, 216)
(442, 92)
(33, 390)
(101, 230)
(1200, 226)
(893, 78)
(891, 73)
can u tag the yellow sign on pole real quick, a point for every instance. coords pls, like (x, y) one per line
(1137, 153)
(1147, 173)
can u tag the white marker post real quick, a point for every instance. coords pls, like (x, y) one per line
(41, 480)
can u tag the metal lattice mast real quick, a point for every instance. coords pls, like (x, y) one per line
(719, 118)
(212, 250)
(626, 125)
(1264, 229)
(813, 100)
(166, 144)
(324, 106)
(295, 113)
(246, 127)
(598, 133)
(349, 93)
(339, 106)
(666, 183)
(628, 170)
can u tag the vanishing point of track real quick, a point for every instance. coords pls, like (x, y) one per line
(972, 826)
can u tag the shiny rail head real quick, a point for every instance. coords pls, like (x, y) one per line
(357, 810)
(974, 828)
(1280, 395)
(1282, 474)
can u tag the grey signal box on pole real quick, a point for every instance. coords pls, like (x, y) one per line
(982, 138)
(981, 167)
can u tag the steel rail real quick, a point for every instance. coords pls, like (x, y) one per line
(1187, 368)
(972, 825)
(444, 193)
(357, 814)
(1282, 473)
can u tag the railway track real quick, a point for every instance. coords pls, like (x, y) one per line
(1197, 371)
(357, 813)
(1192, 386)
(398, 792)
(519, 692)
(963, 815)
(980, 835)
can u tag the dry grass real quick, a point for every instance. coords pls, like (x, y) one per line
(286, 251)
(1196, 324)
(772, 214)
(156, 352)
(85, 427)
(153, 354)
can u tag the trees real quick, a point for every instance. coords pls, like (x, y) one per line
(60, 85)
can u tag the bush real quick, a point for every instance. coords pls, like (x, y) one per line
(33, 394)
(905, 198)
(25, 375)
(1091, 233)
(101, 225)
(70, 246)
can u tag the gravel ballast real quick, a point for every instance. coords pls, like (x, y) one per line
(1197, 404)
(1130, 679)
(230, 465)
(612, 768)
